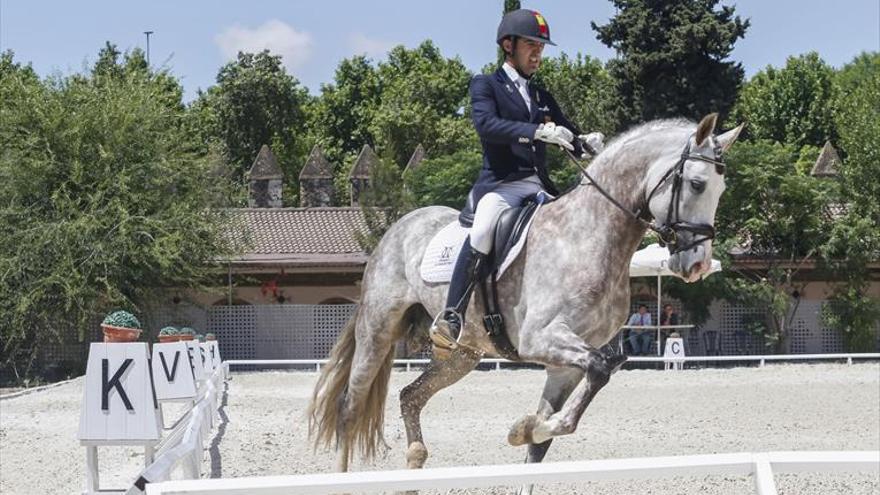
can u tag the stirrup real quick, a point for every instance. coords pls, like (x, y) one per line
(441, 336)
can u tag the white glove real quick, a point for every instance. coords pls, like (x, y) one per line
(555, 134)
(594, 142)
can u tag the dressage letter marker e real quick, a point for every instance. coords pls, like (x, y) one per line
(172, 372)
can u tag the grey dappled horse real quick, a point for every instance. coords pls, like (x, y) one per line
(562, 300)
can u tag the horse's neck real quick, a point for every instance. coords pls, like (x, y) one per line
(591, 214)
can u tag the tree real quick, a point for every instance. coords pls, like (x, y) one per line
(423, 100)
(583, 88)
(776, 210)
(341, 116)
(857, 119)
(791, 105)
(104, 203)
(854, 239)
(444, 180)
(672, 58)
(256, 102)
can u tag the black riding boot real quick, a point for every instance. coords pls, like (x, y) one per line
(466, 274)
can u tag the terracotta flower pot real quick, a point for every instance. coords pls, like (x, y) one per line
(186, 337)
(169, 338)
(120, 334)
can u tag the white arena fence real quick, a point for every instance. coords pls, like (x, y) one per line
(409, 363)
(184, 446)
(761, 466)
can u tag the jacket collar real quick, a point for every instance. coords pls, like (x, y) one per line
(512, 92)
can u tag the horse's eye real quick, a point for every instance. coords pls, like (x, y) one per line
(698, 185)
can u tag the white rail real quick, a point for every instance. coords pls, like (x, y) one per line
(185, 443)
(762, 466)
(762, 359)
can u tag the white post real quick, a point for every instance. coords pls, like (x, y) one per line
(498, 366)
(92, 481)
(659, 288)
(764, 483)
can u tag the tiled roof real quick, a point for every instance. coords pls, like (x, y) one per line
(317, 166)
(265, 166)
(299, 236)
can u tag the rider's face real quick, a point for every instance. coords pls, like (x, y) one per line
(526, 55)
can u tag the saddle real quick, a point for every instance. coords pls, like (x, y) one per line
(508, 230)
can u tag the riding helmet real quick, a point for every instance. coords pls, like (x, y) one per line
(524, 23)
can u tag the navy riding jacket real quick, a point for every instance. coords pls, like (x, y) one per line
(506, 128)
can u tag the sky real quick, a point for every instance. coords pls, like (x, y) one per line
(195, 38)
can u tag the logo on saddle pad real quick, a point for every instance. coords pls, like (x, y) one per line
(446, 255)
(442, 252)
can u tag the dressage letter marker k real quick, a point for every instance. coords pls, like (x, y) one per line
(114, 382)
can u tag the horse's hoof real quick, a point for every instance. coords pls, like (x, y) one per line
(416, 455)
(521, 431)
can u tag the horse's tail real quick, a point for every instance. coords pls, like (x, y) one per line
(362, 425)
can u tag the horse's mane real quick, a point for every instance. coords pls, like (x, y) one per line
(619, 142)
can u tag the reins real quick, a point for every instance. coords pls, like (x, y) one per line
(668, 230)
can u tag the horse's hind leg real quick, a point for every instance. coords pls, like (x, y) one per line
(438, 375)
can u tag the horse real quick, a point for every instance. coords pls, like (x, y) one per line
(562, 299)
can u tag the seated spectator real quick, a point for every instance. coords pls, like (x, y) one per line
(640, 339)
(669, 317)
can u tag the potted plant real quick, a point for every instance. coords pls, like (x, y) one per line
(186, 333)
(210, 336)
(200, 337)
(121, 326)
(168, 334)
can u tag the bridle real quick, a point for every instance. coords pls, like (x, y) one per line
(669, 230)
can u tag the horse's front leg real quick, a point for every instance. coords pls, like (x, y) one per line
(559, 346)
(560, 383)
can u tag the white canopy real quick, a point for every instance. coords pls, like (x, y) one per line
(653, 262)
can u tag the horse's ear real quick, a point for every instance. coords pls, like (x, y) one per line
(704, 130)
(728, 138)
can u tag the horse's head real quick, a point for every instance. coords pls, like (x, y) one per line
(683, 199)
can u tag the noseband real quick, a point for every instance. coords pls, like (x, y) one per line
(669, 230)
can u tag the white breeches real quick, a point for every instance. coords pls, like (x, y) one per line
(491, 205)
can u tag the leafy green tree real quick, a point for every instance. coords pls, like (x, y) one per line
(791, 105)
(857, 118)
(672, 58)
(775, 209)
(341, 116)
(584, 90)
(444, 180)
(854, 239)
(256, 102)
(104, 203)
(423, 98)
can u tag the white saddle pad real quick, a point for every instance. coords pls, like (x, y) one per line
(442, 252)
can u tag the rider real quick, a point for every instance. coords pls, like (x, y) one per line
(514, 121)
